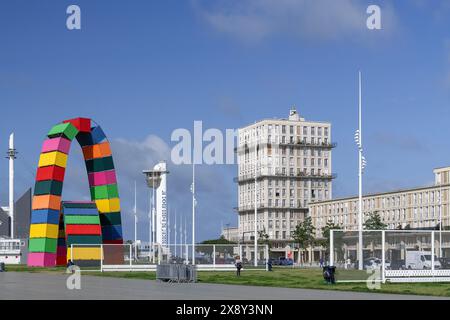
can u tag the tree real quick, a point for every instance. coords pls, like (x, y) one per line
(326, 232)
(304, 235)
(374, 222)
(221, 240)
(263, 237)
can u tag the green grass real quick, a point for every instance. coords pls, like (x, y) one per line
(280, 277)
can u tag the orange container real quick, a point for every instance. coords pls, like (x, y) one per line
(47, 201)
(95, 151)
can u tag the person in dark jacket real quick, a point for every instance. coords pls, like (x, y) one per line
(70, 263)
(238, 264)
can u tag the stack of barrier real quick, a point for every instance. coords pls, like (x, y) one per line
(83, 233)
(47, 195)
(46, 244)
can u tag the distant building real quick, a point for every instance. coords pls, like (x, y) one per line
(22, 215)
(293, 169)
(231, 234)
(4, 223)
(416, 208)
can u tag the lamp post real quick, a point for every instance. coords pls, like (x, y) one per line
(194, 203)
(135, 223)
(361, 165)
(11, 156)
(256, 200)
(440, 215)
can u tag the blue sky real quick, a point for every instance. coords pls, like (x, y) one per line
(144, 68)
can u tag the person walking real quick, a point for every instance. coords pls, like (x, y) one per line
(238, 264)
(321, 262)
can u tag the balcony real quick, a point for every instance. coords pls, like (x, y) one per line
(298, 145)
(264, 206)
(299, 176)
(301, 144)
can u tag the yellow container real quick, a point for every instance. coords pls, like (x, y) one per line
(44, 230)
(84, 253)
(108, 205)
(53, 158)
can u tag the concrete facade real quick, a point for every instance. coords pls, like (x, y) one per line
(293, 168)
(416, 208)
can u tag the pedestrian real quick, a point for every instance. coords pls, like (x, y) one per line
(69, 263)
(238, 264)
(321, 262)
(269, 264)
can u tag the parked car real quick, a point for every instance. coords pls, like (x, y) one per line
(420, 260)
(282, 261)
(445, 263)
(286, 261)
(395, 265)
(372, 263)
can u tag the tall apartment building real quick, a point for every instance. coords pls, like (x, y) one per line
(292, 161)
(416, 208)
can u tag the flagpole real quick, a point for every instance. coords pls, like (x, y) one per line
(135, 222)
(185, 240)
(360, 218)
(175, 230)
(193, 213)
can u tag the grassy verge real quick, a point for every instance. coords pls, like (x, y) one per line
(280, 277)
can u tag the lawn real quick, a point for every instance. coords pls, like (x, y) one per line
(279, 277)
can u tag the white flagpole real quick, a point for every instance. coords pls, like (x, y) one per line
(193, 213)
(135, 222)
(185, 240)
(360, 215)
(175, 231)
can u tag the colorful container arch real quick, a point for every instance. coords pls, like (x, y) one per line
(49, 230)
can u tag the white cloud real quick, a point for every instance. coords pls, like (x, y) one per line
(215, 189)
(254, 20)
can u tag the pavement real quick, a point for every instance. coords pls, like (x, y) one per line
(46, 286)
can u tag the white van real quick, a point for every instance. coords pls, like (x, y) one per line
(420, 260)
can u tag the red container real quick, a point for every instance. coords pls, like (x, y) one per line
(117, 241)
(50, 173)
(82, 124)
(79, 229)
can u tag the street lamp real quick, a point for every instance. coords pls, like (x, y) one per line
(362, 164)
(440, 215)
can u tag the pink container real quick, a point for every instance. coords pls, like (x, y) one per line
(102, 178)
(56, 144)
(41, 259)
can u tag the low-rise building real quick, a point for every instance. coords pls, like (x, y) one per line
(415, 208)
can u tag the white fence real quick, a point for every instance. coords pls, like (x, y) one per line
(391, 255)
(128, 257)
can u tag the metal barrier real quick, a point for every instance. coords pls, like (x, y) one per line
(176, 273)
(391, 255)
(209, 257)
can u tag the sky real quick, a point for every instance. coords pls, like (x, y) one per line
(142, 69)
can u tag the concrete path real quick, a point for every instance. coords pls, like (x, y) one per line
(23, 285)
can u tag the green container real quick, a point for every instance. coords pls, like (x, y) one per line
(67, 129)
(107, 191)
(81, 219)
(110, 219)
(83, 239)
(48, 187)
(88, 205)
(100, 164)
(42, 245)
